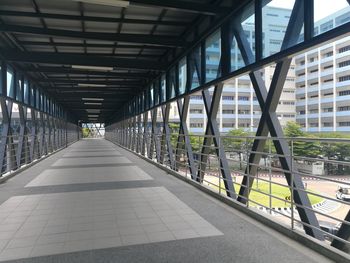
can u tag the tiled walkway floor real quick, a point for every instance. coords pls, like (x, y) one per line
(95, 202)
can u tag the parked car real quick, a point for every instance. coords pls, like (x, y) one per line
(343, 192)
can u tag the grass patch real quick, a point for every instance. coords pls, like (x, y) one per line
(276, 191)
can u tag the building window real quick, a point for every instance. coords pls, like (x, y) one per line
(196, 111)
(328, 54)
(196, 125)
(327, 124)
(274, 15)
(327, 109)
(302, 63)
(228, 111)
(344, 78)
(302, 112)
(344, 108)
(344, 93)
(196, 97)
(344, 64)
(243, 112)
(314, 124)
(344, 124)
(327, 67)
(313, 111)
(315, 70)
(327, 80)
(228, 97)
(301, 74)
(326, 26)
(243, 98)
(228, 125)
(344, 49)
(328, 94)
(288, 102)
(275, 42)
(314, 83)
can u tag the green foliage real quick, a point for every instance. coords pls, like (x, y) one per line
(260, 191)
(301, 148)
(196, 141)
(85, 132)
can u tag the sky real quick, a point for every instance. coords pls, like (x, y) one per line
(323, 8)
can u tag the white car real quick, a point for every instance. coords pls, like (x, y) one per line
(343, 192)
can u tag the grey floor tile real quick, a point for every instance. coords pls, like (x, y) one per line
(77, 245)
(185, 233)
(55, 229)
(155, 228)
(47, 249)
(131, 230)
(107, 242)
(15, 253)
(52, 238)
(160, 236)
(134, 239)
(21, 242)
(81, 235)
(3, 243)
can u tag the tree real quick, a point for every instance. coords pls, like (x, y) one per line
(301, 148)
(86, 132)
(336, 151)
(234, 142)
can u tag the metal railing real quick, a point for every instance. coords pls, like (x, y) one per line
(35, 143)
(322, 165)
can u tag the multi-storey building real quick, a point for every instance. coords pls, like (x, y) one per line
(239, 107)
(323, 81)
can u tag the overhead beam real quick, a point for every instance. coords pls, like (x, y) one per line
(92, 18)
(168, 41)
(85, 60)
(183, 6)
(123, 83)
(90, 45)
(69, 70)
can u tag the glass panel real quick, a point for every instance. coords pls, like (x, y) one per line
(276, 15)
(330, 14)
(32, 97)
(163, 88)
(212, 56)
(172, 83)
(26, 92)
(41, 101)
(236, 56)
(19, 90)
(182, 76)
(10, 84)
(156, 92)
(196, 61)
(247, 22)
(151, 96)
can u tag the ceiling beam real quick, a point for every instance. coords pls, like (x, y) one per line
(115, 83)
(102, 19)
(90, 45)
(183, 6)
(79, 59)
(69, 70)
(168, 41)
